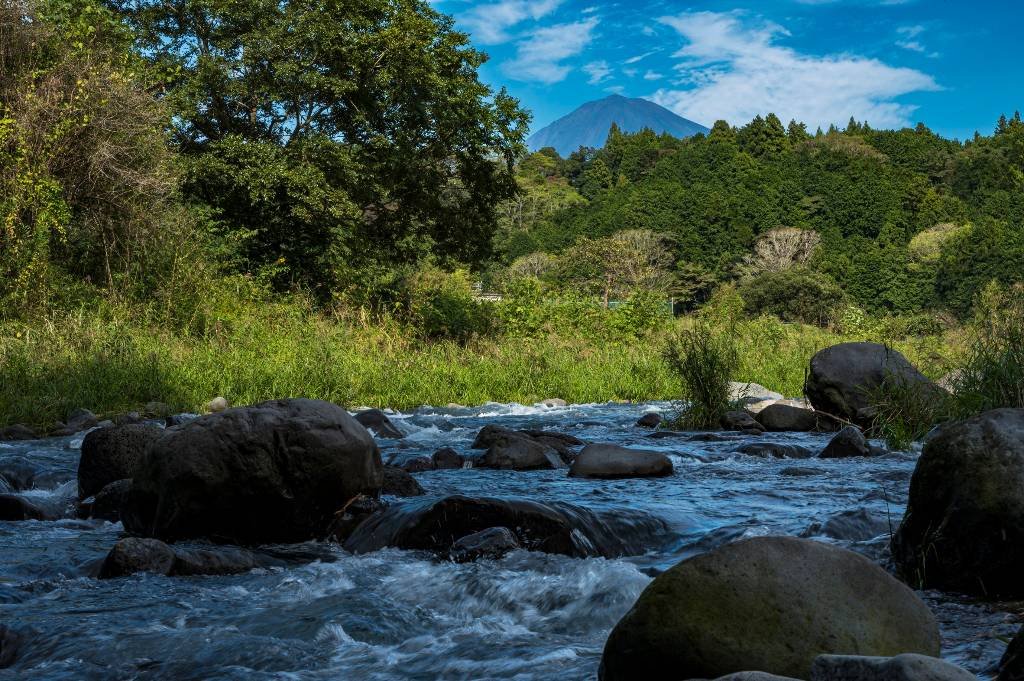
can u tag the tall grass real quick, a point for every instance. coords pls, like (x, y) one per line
(993, 375)
(704, 362)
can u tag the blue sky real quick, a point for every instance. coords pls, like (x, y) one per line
(954, 65)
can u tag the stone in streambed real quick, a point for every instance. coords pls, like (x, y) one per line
(779, 418)
(136, 554)
(515, 451)
(78, 420)
(275, 472)
(108, 501)
(112, 454)
(447, 458)
(741, 420)
(854, 525)
(11, 642)
(1011, 667)
(15, 507)
(612, 462)
(399, 483)
(849, 442)
(220, 560)
(963, 529)
(906, 667)
(378, 422)
(419, 464)
(494, 542)
(649, 420)
(772, 604)
(18, 432)
(775, 450)
(754, 676)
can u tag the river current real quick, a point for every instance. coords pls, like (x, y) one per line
(390, 615)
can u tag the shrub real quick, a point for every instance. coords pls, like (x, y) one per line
(704, 363)
(441, 305)
(904, 412)
(993, 375)
(644, 312)
(795, 295)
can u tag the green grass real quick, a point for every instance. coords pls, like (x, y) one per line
(704, 361)
(110, 362)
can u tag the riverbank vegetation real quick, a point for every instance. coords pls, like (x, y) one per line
(188, 209)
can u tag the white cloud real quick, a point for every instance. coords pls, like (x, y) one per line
(489, 24)
(599, 71)
(640, 57)
(732, 68)
(910, 40)
(540, 57)
(653, 75)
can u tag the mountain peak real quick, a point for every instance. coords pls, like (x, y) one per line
(589, 124)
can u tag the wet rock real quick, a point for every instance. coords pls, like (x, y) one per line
(18, 432)
(907, 667)
(432, 524)
(11, 642)
(20, 473)
(418, 464)
(447, 458)
(109, 501)
(352, 515)
(378, 422)
(217, 405)
(611, 462)
(739, 391)
(783, 417)
(853, 525)
(1011, 667)
(136, 554)
(215, 560)
(128, 418)
(649, 420)
(848, 442)
(490, 434)
(158, 410)
(14, 507)
(494, 543)
(842, 378)
(554, 402)
(399, 483)
(754, 676)
(111, 454)
(275, 472)
(519, 452)
(741, 420)
(771, 604)
(775, 450)
(799, 472)
(78, 420)
(963, 530)
(668, 434)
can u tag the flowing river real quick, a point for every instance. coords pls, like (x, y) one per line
(325, 614)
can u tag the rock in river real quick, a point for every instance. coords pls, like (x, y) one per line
(378, 422)
(112, 454)
(771, 604)
(848, 442)
(493, 542)
(433, 524)
(964, 525)
(784, 417)
(400, 483)
(611, 462)
(775, 450)
(519, 452)
(276, 472)
(15, 507)
(907, 667)
(842, 378)
(1011, 667)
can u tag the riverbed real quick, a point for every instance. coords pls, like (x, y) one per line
(389, 615)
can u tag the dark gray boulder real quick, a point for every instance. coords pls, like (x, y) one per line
(772, 604)
(109, 501)
(787, 418)
(518, 452)
(18, 432)
(754, 676)
(740, 420)
(214, 560)
(400, 483)
(848, 442)
(15, 507)
(842, 378)
(275, 472)
(775, 450)
(112, 454)
(963, 529)
(853, 525)
(135, 554)
(494, 543)
(490, 434)
(418, 464)
(447, 458)
(1011, 667)
(612, 462)
(432, 524)
(78, 420)
(907, 667)
(649, 420)
(378, 422)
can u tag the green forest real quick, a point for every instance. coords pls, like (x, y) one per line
(262, 199)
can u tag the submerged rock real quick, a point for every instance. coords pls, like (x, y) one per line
(649, 420)
(772, 604)
(400, 483)
(907, 667)
(11, 641)
(848, 442)
(15, 507)
(136, 554)
(775, 450)
(378, 422)
(855, 525)
(276, 472)
(1011, 667)
(842, 378)
(611, 462)
(493, 542)
(109, 501)
(220, 560)
(436, 524)
(112, 454)
(964, 525)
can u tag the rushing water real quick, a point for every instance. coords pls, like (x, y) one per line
(388, 615)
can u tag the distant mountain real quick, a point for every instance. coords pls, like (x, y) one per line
(588, 125)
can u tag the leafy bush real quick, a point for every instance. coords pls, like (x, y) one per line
(441, 305)
(993, 375)
(644, 312)
(704, 363)
(795, 295)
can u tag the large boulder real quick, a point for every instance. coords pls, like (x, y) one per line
(1011, 667)
(399, 483)
(519, 452)
(136, 554)
(772, 604)
(849, 442)
(378, 422)
(843, 377)
(907, 667)
(740, 420)
(112, 454)
(276, 472)
(15, 507)
(780, 417)
(447, 458)
(432, 524)
(611, 462)
(964, 525)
